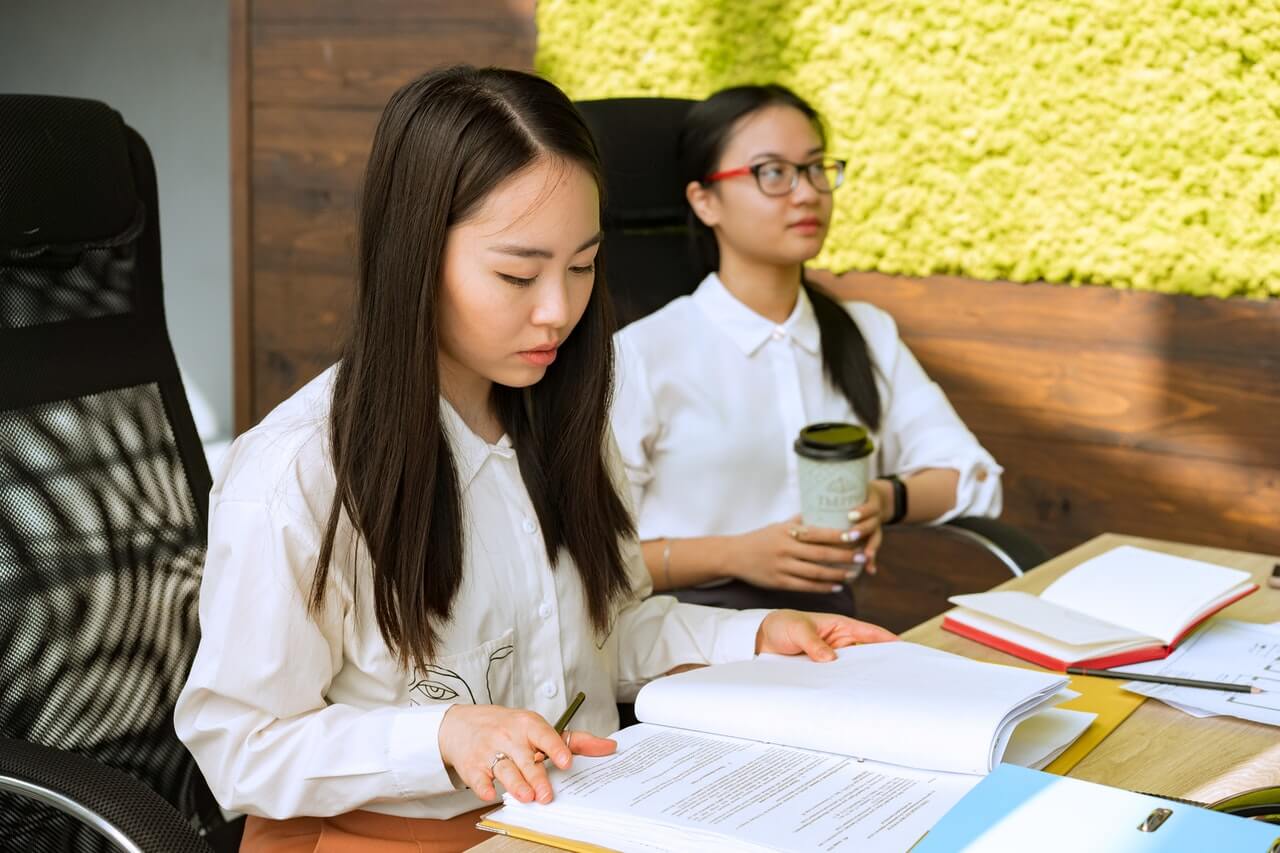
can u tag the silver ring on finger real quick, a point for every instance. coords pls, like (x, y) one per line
(497, 756)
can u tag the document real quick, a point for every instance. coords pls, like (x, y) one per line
(670, 790)
(899, 703)
(1225, 650)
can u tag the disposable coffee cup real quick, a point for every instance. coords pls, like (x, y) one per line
(833, 461)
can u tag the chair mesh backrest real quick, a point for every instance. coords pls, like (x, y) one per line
(102, 484)
(648, 261)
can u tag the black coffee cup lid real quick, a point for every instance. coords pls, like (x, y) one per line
(834, 441)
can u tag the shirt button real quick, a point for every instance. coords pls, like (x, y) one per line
(528, 525)
(981, 474)
(778, 334)
(544, 610)
(549, 689)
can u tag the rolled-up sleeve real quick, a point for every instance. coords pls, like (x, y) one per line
(920, 429)
(253, 711)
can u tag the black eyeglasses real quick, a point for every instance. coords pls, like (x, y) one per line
(781, 177)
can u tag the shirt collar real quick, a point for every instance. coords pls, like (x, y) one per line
(469, 450)
(749, 330)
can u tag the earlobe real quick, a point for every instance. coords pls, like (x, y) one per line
(703, 203)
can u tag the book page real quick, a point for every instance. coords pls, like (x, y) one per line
(1037, 642)
(1146, 591)
(674, 790)
(879, 701)
(1046, 618)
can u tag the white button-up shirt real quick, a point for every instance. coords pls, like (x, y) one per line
(711, 396)
(289, 714)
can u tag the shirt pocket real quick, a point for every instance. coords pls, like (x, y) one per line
(484, 675)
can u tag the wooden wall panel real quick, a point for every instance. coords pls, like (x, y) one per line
(310, 79)
(1132, 412)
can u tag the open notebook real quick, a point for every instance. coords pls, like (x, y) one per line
(781, 754)
(1124, 606)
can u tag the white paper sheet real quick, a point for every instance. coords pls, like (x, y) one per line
(667, 790)
(1224, 650)
(899, 703)
(1152, 593)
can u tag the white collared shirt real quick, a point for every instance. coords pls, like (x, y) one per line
(711, 396)
(290, 715)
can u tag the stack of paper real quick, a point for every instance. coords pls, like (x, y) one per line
(898, 703)
(784, 754)
(1226, 650)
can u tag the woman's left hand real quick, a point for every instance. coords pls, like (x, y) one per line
(790, 632)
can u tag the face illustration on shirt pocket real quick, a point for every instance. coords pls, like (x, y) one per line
(484, 675)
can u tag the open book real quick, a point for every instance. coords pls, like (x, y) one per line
(779, 753)
(1124, 606)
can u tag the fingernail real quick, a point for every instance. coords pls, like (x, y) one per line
(544, 796)
(859, 557)
(854, 516)
(837, 588)
(850, 577)
(562, 760)
(850, 536)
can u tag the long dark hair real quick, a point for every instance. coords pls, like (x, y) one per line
(703, 138)
(444, 142)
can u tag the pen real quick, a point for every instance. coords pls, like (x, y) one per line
(563, 722)
(1165, 679)
(569, 712)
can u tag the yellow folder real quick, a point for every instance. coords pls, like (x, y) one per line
(1104, 697)
(538, 838)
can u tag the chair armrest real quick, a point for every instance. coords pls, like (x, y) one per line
(117, 806)
(1016, 550)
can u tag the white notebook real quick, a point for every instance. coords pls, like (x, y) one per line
(781, 753)
(1124, 606)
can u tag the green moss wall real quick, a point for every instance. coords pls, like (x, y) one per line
(1131, 143)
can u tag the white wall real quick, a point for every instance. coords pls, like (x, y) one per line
(163, 65)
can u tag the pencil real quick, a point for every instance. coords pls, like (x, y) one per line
(1165, 679)
(569, 712)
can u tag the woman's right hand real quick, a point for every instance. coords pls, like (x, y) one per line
(789, 555)
(471, 735)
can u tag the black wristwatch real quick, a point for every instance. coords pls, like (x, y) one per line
(899, 498)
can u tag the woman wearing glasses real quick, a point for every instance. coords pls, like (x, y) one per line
(714, 388)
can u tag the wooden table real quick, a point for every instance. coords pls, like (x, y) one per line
(1157, 750)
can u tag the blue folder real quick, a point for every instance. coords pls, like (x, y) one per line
(1017, 809)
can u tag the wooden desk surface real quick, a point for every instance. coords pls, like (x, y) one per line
(1157, 750)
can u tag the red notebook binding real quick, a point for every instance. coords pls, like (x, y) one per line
(1105, 662)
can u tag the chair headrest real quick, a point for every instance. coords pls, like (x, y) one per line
(637, 139)
(66, 182)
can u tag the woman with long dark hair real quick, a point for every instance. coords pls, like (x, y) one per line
(418, 559)
(715, 387)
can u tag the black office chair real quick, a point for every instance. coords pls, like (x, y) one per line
(103, 497)
(650, 262)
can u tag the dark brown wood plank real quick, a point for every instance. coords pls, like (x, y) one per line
(280, 372)
(1065, 492)
(956, 307)
(266, 11)
(241, 141)
(1191, 405)
(361, 63)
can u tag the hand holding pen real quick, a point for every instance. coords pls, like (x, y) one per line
(490, 744)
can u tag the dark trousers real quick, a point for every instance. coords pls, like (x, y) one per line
(743, 596)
